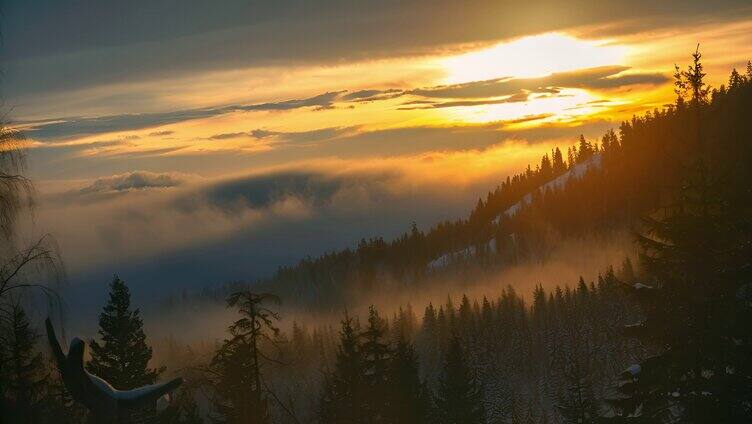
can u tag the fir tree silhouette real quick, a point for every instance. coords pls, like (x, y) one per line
(408, 397)
(459, 397)
(696, 252)
(241, 393)
(23, 371)
(376, 356)
(343, 399)
(122, 356)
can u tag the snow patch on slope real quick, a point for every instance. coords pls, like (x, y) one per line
(465, 253)
(559, 182)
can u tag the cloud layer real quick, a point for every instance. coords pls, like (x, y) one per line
(475, 93)
(141, 217)
(71, 127)
(136, 180)
(99, 42)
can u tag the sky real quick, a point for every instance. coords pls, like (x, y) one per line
(185, 143)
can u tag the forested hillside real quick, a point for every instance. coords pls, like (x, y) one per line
(660, 339)
(599, 186)
(663, 343)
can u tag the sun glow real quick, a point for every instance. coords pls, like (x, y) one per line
(569, 104)
(533, 56)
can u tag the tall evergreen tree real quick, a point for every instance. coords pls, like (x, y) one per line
(459, 398)
(241, 395)
(428, 342)
(343, 398)
(585, 149)
(408, 398)
(122, 357)
(23, 372)
(546, 168)
(465, 319)
(699, 301)
(558, 161)
(692, 81)
(376, 356)
(735, 80)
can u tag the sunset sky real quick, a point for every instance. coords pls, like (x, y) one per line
(184, 130)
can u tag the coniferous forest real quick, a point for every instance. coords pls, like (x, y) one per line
(661, 336)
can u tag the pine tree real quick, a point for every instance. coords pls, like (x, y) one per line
(407, 397)
(23, 371)
(735, 80)
(428, 342)
(241, 395)
(584, 149)
(122, 357)
(697, 254)
(443, 329)
(558, 162)
(459, 397)
(546, 168)
(376, 356)
(343, 400)
(571, 156)
(692, 81)
(696, 251)
(465, 321)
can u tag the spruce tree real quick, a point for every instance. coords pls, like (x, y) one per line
(694, 310)
(23, 371)
(459, 398)
(376, 356)
(584, 149)
(546, 168)
(571, 157)
(465, 320)
(699, 299)
(122, 356)
(558, 162)
(692, 81)
(343, 398)
(735, 80)
(408, 401)
(241, 394)
(428, 342)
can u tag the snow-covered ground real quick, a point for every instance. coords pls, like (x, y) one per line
(465, 253)
(557, 183)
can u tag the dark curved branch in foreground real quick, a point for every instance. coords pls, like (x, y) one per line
(103, 400)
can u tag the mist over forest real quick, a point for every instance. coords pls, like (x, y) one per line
(549, 222)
